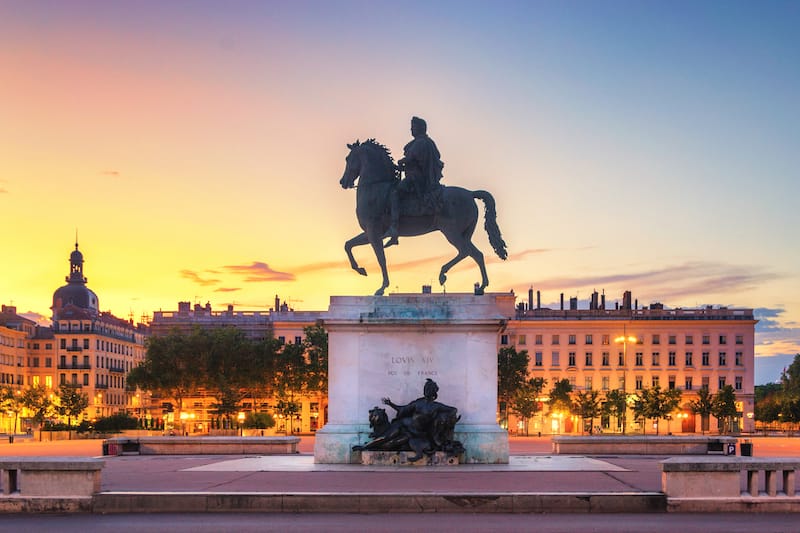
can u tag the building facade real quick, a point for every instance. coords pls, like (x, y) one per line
(85, 347)
(628, 349)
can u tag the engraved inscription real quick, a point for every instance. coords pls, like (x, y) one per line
(406, 364)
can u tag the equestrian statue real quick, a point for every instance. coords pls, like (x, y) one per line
(388, 207)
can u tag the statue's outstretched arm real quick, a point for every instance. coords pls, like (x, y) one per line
(388, 402)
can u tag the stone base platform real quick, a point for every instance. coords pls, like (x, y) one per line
(402, 459)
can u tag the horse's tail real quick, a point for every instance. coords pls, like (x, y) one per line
(490, 224)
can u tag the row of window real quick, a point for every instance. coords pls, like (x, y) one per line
(103, 382)
(655, 359)
(47, 346)
(6, 340)
(605, 340)
(8, 379)
(101, 345)
(655, 381)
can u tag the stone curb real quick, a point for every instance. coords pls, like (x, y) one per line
(367, 503)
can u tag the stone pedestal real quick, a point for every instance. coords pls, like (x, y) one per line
(386, 346)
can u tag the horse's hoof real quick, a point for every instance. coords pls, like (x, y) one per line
(362, 271)
(442, 279)
(379, 292)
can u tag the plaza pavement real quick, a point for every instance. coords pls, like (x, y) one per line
(532, 471)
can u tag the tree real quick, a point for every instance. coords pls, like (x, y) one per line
(790, 380)
(525, 402)
(72, 402)
(171, 368)
(258, 421)
(315, 344)
(290, 380)
(11, 402)
(587, 406)
(512, 372)
(38, 402)
(768, 402)
(616, 405)
(560, 400)
(654, 404)
(723, 407)
(228, 357)
(702, 406)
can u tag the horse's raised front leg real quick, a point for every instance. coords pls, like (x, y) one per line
(358, 240)
(376, 240)
(447, 266)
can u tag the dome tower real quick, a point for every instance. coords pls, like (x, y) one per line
(75, 292)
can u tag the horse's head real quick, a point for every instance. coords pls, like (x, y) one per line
(352, 166)
(370, 161)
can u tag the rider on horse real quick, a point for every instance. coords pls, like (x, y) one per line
(422, 165)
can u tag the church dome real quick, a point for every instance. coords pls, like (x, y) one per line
(75, 292)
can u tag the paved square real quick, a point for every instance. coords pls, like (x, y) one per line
(305, 463)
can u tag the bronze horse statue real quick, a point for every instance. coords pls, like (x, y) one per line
(456, 215)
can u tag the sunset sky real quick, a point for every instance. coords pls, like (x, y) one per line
(196, 148)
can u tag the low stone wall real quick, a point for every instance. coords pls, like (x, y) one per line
(48, 484)
(201, 445)
(706, 484)
(641, 445)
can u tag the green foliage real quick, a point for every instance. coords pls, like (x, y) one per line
(72, 401)
(231, 366)
(702, 406)
(512, 372)
(172, 366)
(55, 426)
(116, 423)
(259, 421)
(37, 400)
(723, 407)
(616, 405)
(790, 401)
(11, 402)
(655, 403)
(560, 396)
(315, 345)
(524, 402)
(587, 406)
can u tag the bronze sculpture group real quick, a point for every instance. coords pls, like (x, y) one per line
(387, 206)
(423, 426)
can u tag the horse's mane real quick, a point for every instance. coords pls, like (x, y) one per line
(383, 151)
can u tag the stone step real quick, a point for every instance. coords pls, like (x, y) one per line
(377, 502)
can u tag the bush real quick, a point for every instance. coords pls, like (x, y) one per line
(259, 421)
(55, 426)
(116, 422)
(85, 426)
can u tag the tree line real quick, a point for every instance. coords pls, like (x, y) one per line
(68, 402)
(522, 395)
(780, 402)
(230, 367)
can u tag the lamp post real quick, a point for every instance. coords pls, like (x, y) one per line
(240, 419)
(624, 339)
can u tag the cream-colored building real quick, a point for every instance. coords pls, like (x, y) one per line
(86, 347)
(630, 348)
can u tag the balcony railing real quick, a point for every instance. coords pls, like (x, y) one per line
(70, 366)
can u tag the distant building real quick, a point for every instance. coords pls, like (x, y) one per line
(629, 349)
(86, 347)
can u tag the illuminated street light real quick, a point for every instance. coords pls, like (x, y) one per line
(240, 418)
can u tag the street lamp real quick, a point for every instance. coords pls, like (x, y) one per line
(240, 418)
